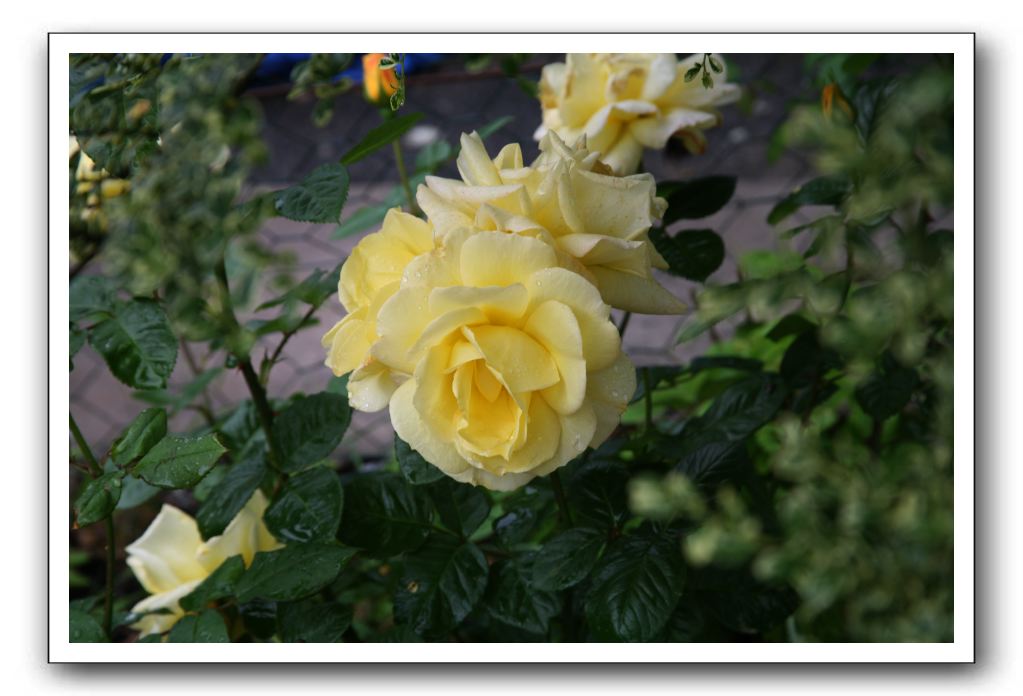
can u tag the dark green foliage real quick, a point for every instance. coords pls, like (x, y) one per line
(293, 572)
(635, 588)
(307, 508)
(179, 462)
(692, 254)
(207, 627)
(319, 198)
(231, 493)
(442, 583)
(310, 428)
(384, 515)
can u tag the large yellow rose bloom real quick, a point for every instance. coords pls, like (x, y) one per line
(500, 366)
(596, 222)
(170, 559)
(624, 102)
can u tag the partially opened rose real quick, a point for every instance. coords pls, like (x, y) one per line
(369, 277)
(498, 365)
(170, 559)
(624, 102)
(597, 223)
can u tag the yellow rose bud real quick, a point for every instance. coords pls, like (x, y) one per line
(378, 85)
(368, 278)
(170, 559)
(597, 223)
(624, 102)
(508, 365)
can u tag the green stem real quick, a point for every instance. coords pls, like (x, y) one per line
(399, 159)
(97, 471)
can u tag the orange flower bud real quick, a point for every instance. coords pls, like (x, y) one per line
(378, 85)
(831, 95)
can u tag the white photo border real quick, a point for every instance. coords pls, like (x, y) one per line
(961, 650)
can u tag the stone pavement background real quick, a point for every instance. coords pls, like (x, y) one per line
(453, 102)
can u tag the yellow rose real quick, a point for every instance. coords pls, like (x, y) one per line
(598, 223)
(508, 365)
(370, 276)
(623, 102)
(170, 559)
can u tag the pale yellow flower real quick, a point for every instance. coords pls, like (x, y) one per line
(500, 366)
(596, 222)
(624, 102)
(370, 276)
(170, 559)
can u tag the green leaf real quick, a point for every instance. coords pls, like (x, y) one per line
(692, 254)
(567, 559)
(462, 508)
(310, 428)
(179, 462)
(635, 588)
(137, 344)
(185, 395)
(98, 498)
(232, 493)
(217, 585)
(92, 297)
(494, 126)
(391, 129)
(597, 493)
(714, 462)
(414, 468)
(134, 492)
(512, 600)
(320, 197)
(207, 627)
(825, 190)
(530, 511)
(887, 391)
(790, 325)
(84, 629)
(313, 622)
(869, 103)
(385, 515)
(307, 508)
(442, 583)
(696, 198)
(373, 215)
(313, 290)
(744, 407)
(140, 436)
(685, 624)
(293, 572)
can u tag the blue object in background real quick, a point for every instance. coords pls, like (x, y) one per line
(276, 68)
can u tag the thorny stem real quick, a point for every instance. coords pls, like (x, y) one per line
(256, 390)
(97, 471)
(559, 495)
(567, 618)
